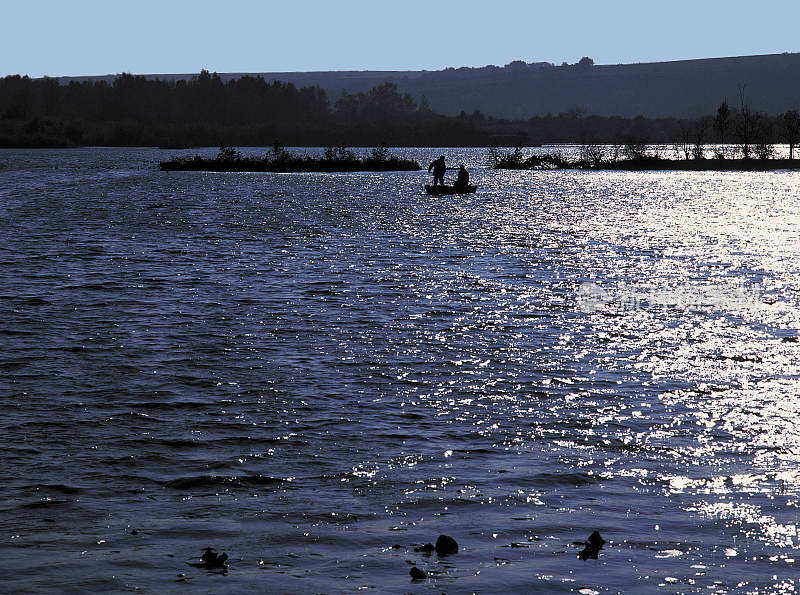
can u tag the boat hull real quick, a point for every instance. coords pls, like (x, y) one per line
(439, 190)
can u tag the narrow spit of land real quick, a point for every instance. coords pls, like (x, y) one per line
(638, 161)
(335, 159)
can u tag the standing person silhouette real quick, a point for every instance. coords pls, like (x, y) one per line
(438, 166)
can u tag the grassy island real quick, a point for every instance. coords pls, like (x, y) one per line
(335, 159)
(637, 158)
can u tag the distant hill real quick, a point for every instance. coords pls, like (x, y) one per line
(520, 90)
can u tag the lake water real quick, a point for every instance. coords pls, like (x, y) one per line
(315, 373)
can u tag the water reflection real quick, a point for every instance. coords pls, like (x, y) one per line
(312, 369)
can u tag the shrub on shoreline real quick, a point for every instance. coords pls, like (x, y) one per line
(335, 159)
(635, 157)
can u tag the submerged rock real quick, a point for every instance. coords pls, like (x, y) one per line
(426, 549)
(446, 545)
(417, 574)
(595, 539)
(211, 560)
(593, 546)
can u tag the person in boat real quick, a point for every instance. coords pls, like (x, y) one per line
(439, 168)
(462, 181)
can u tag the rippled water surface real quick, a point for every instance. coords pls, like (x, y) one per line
(316, 373)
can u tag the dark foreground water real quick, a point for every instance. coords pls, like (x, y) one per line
(315, 373)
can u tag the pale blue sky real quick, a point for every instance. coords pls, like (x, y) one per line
(55, 38)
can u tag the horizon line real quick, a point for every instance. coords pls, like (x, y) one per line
(391, 71)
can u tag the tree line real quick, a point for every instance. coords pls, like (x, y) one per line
(251, 111)
(205, 111)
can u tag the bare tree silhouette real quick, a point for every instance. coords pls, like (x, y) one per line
(791, 129)
(722, 123)
(745, 124)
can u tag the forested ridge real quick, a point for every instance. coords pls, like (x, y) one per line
(251, 111)
(205, 111)
(520, 90)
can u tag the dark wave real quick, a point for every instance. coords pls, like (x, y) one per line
(56, 487)
(221, 481)
(45, 503)
(545, 480)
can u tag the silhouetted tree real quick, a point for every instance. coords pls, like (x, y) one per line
(791, 129)
(592, 155)
(19, 90)
(684, 143)
(745, 124)
(50, 96)
(722, 122)
(209, 99)
(701, 126)
(762, 136)
(635, 148)
(424, 106)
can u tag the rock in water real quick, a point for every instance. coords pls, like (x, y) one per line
(417, 574)
(446, 545)
(427, 548)
(209, 555)
(595, 540)
(593, 546)
(211, 560)
(588, 552)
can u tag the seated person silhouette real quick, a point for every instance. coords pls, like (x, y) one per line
(462, 181)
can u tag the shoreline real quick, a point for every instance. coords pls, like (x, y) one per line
(279, 160)
(674, 165)
(638, 159)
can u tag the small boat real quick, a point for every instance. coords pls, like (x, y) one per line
(438, 190)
